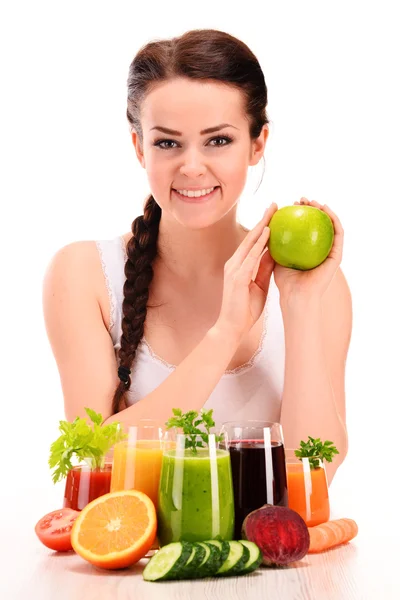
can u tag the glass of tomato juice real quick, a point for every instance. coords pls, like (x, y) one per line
(87, 481)
(307, 488)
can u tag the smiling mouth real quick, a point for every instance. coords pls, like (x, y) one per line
(209, 187)
(198, 199)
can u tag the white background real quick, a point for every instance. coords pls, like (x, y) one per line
(69, 173)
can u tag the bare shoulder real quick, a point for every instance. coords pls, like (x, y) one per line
(78, 253)
(75, 274)
(75, 264)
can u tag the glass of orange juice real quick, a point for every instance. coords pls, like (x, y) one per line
(307, 488)
(137, 461)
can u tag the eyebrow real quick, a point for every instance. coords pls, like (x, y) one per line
(205, 131)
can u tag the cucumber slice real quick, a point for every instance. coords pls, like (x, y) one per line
(237, 558)
(211, 562)
(223, 548)
(255, 558)
(167, 562)
(189, 570)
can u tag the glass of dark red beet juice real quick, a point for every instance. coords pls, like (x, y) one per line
(258, 466)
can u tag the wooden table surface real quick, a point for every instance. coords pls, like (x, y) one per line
(366, 568)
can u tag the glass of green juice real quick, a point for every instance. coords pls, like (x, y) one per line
(195, 496)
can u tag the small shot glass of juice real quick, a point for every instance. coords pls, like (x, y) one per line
(307, 488)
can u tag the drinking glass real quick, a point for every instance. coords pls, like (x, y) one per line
(87, 481)
(258, 466)
(196, 493)
(307, 488)
(137, 461)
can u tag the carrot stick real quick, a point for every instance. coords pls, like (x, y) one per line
(330, 534)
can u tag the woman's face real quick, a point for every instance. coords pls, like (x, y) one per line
(187, 157)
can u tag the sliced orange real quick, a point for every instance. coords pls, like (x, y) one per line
(115, 530)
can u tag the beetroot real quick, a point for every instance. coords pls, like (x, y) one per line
(279, 532)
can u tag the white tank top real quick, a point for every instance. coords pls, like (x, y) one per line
(251, 391)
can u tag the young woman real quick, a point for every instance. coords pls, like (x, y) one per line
(188, 309)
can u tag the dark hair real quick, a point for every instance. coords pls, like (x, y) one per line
(200, 54)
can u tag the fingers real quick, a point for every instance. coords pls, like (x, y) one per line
(247, 268)
(336, 252)
(264, 272)
(305, 202)
(251, 238)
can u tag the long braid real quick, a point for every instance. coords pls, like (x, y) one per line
(141, 251)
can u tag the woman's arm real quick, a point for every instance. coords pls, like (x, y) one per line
(190, 384)
(317, 337)
(85, 355)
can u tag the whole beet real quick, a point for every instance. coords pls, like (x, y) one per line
(279, 532)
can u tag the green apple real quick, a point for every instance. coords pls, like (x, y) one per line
(301, 237)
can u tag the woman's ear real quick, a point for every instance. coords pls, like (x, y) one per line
(258, 146)
(138, 148)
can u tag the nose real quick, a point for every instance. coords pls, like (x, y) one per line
(192, 165)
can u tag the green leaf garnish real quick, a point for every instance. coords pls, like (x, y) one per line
(84, 441)
(94, 416)
(315, 448)
(190, 423)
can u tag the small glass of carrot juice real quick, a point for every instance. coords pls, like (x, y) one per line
(307, 488)
(137, 461)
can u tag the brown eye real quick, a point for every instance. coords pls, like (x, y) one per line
(159, 142)
(226, 139)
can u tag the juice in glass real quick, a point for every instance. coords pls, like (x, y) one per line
(195, 495)
(137, 467)
(258, 466)
(307, 489)
(251, 478)
(85, 483)
(137, 461)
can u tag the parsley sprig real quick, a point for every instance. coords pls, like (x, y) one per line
(315, 448)
(84, 441)
(190, 424)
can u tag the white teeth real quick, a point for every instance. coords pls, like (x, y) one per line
(195, 194)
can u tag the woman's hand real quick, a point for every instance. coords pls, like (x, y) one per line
(293, 284)
(246, 280)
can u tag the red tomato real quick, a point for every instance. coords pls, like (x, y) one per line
(54, 529)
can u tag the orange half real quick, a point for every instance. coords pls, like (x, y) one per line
(115, 530)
